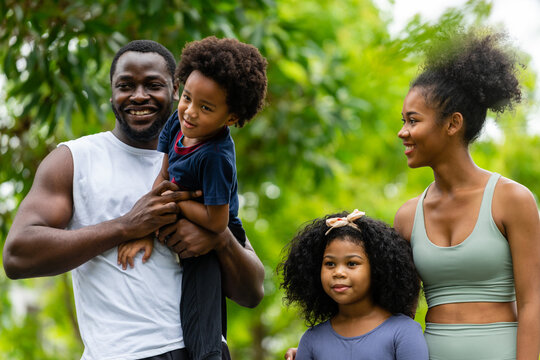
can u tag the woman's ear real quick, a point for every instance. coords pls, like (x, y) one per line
(455, 123)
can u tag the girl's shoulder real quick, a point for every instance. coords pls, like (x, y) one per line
(319, 328)
(403, 321)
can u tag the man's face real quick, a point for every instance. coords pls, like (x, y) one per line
(142, 97)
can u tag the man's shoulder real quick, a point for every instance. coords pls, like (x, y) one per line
(88, 140)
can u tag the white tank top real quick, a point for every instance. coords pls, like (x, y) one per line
(122, 314)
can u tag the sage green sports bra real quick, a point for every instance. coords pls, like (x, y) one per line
(479, 269)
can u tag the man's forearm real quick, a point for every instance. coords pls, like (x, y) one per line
(242, 271)
(45, 251)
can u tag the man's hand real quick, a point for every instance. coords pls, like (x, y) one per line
(188, 239)
(155, 210)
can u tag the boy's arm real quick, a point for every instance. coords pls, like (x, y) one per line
(212, 217)
(163, 173)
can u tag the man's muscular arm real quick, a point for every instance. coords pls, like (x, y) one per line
(38, 244)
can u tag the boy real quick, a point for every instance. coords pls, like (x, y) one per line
(224, 84)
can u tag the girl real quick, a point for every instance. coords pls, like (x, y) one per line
(354, 279)
(474, 234)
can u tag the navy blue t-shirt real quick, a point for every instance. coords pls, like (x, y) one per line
(209, 166)
(398, 338)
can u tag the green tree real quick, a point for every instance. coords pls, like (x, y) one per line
(326, 140)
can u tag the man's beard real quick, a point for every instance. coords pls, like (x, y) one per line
(149, 134)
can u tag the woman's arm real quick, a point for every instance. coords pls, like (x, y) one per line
(515, 208)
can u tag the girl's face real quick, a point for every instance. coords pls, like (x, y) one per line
(423, 137)
(346, 273)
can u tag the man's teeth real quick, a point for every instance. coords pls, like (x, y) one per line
(140, 112)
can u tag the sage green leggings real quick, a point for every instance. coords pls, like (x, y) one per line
(494, 341)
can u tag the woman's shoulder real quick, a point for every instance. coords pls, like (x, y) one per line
(404, 218)
(510, 190)
(511, 202)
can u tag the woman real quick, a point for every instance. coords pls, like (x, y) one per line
(475, 235)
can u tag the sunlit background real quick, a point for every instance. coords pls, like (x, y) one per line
(326, 141)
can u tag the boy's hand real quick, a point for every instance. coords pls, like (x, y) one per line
(128, 250)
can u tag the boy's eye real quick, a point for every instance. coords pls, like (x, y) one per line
(185, 97)
(206, 108)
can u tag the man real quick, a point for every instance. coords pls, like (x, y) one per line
(83, 204)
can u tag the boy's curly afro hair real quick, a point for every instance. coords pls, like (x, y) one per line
(237, 67)
(470, 72)
(395, 283)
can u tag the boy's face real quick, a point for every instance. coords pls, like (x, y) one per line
(203, 109)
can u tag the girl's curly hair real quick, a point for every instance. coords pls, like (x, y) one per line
(470, 72)
(238, 68)
(395, 283)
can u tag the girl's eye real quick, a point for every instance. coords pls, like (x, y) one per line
(328, 263)
(352, 263)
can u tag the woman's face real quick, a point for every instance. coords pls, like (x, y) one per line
(423, 137)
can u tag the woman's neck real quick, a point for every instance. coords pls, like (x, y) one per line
(458, 171)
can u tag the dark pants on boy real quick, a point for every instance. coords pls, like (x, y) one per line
(182, 354)
(202, 307)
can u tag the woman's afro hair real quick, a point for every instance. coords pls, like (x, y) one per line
(470, 72)
(237, 67)
(395, 284)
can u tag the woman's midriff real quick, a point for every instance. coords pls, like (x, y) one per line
(472, 313)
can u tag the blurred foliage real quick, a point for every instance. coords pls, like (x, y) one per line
(326, 140)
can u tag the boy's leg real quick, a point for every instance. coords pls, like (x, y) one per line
(179, 354)
(200, 307)
(225, 352)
